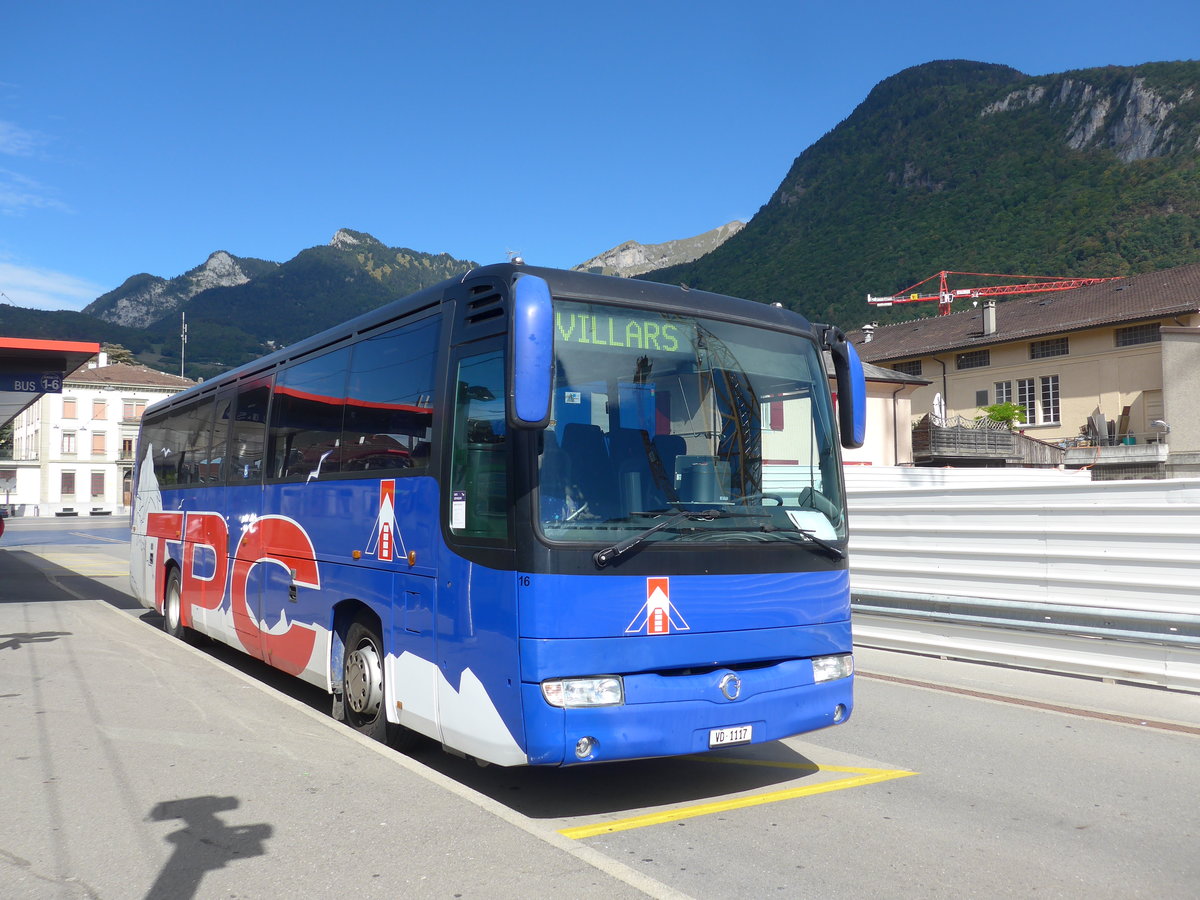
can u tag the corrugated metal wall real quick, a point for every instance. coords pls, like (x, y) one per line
(1037, 551)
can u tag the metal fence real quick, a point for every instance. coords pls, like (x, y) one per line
(1036, 552)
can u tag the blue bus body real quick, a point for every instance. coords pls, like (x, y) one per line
(381, 510)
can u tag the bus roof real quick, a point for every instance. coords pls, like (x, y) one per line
(574, 285)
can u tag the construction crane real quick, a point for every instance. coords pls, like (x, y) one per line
(945, 296)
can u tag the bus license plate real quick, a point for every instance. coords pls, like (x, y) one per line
(725, 737)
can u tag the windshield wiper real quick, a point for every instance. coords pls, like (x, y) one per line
(603, 557)
(832, 549)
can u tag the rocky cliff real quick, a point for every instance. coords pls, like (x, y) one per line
(1126, 116)
(631, 258)
(144, 299)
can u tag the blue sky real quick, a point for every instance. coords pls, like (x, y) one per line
(140, 137)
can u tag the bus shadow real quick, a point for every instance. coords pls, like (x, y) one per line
(619, 787)
(29, 578)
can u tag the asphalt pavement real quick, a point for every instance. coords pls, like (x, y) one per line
(135, 765)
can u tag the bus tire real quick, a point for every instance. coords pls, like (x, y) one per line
(363, 688)
(173, 607)
(362, 681)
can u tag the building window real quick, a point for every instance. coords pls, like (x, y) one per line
(1003, 391)
(131, 410)
(97, 485)
(99, 443)
(912, 367)
(981, 397)
(1027, 399)
(99, 409)
(1049, 410)
(1138, 334)
(68, 407)
(973, 359)
(771, 415)
(68, 442)
(1048, 348)
(68, 484)
(126, 448)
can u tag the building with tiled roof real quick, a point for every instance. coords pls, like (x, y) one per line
(73, 452)
(1095, 367)
(888, 440)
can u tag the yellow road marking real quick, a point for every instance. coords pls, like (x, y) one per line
(864, 776)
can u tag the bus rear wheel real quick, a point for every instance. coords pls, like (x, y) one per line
(173, 607)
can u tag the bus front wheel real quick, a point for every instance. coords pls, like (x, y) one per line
(363, 691)
(362, 681)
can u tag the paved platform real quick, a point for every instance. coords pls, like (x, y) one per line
(134, 765)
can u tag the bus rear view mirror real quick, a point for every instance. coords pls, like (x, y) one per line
(532, 356)
(851, 389)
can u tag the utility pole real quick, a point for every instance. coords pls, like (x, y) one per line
(182, 341)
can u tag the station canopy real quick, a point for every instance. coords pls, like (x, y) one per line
(30, 367)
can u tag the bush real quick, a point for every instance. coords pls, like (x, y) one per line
(1008, 414)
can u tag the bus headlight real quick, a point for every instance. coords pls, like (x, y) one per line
(828, 668)
(573, 693)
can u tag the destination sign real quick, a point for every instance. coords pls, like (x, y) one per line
(598, 326)
(35, 383)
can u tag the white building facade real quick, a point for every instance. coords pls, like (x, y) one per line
(73, 452)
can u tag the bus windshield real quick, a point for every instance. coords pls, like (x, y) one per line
(657, 414)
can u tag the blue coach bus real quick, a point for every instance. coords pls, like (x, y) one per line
(541, 517)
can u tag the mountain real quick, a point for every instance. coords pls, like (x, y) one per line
(631, 258)
(239, 308)
(316, 289)
(67, 325)
(975, 167)
(143, 299)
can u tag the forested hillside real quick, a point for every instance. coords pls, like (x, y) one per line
(976, 167)
(238, 309)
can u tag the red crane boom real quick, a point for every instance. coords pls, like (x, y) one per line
(945, 296)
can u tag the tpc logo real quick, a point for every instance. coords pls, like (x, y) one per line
(657, 615)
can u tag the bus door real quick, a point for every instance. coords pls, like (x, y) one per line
(479, 706)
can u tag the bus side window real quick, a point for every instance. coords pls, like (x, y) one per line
(213, 467)
(306, 418)
(479, 500)
(389, 414)
(161, 438)
(196, 424)
(249, 432)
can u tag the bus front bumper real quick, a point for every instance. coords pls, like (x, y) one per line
(670, 715)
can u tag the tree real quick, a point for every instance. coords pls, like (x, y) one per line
(1008, 414)
(118, 354)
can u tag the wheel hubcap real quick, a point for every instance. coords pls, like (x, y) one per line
(364, 680)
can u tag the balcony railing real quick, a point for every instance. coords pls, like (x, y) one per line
(976, 441)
